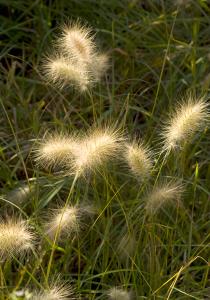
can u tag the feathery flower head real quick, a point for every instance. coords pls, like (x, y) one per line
(77, 42)
(138, 157)
(21, 194)
(127, 245)
(76, 61)
(118, 294)
(55, 292)
(163, 194)
(95, 149)
(20, 294)
(65, 221)
(62, 72)
(99, 66)
(55, 149)
(188, 118)
(79, 155)
(15, 237)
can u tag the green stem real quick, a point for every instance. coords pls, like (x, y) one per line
(163, 65)
(59, 227)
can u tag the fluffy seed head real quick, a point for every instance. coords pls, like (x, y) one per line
(163, 194)
(95, 149)
(138, 157)
(77, 43)
(65, 222)
(127, 245)
(21, 193)
(55, 292)
(20, 294)
(76, 61)
(79, 155)
(99, 66)
(188, 118)
(54, 150)
(15, 238)
(118, 294)
(62, 72)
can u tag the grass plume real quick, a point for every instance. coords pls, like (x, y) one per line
(77, 62)
(54, 150)
(61, 72)
(66, 222)
(95, 149)
(118, 294)
(16, 237)
(138, 157)
(189, 117)
(56, 291)
(163, 194)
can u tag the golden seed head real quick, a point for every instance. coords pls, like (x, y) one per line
(22, 193)
(118, 294)
(163, 194)
(138, 157)
(16, 238)
(62, 72)
(95, 149)
(55, 150)
(64, 222)
(76, 62)
(188, 118)
(99, 66)
(77, 42)
(55, 292)
(127, 245)
(79, 155)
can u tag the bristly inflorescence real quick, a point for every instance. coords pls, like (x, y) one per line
(21, 193)
(139, 159)
(56, 291)
(54, 150)
(16, 237)
(77, 42)
(126, 245)
(163, 194)
(76, 61)
(79, 155)
(62, 72)
(116, 293)
(95, 149)
(64, 221)
(189, 117)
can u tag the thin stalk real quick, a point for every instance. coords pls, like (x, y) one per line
(59, 227)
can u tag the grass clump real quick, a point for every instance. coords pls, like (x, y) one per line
(103, 188)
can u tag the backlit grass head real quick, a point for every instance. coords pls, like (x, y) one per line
(139, 159)
(56, 291)
(126, 245)
(95, 149)
(64, 221)
(54, 150)
(189, 117)
(16, 237)
(118, 294)
(22, 193)
(77, 42)
(163, 194)
(61, 72)
(76, 62)
(79, 155)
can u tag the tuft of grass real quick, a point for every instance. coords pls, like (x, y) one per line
(158, 51)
